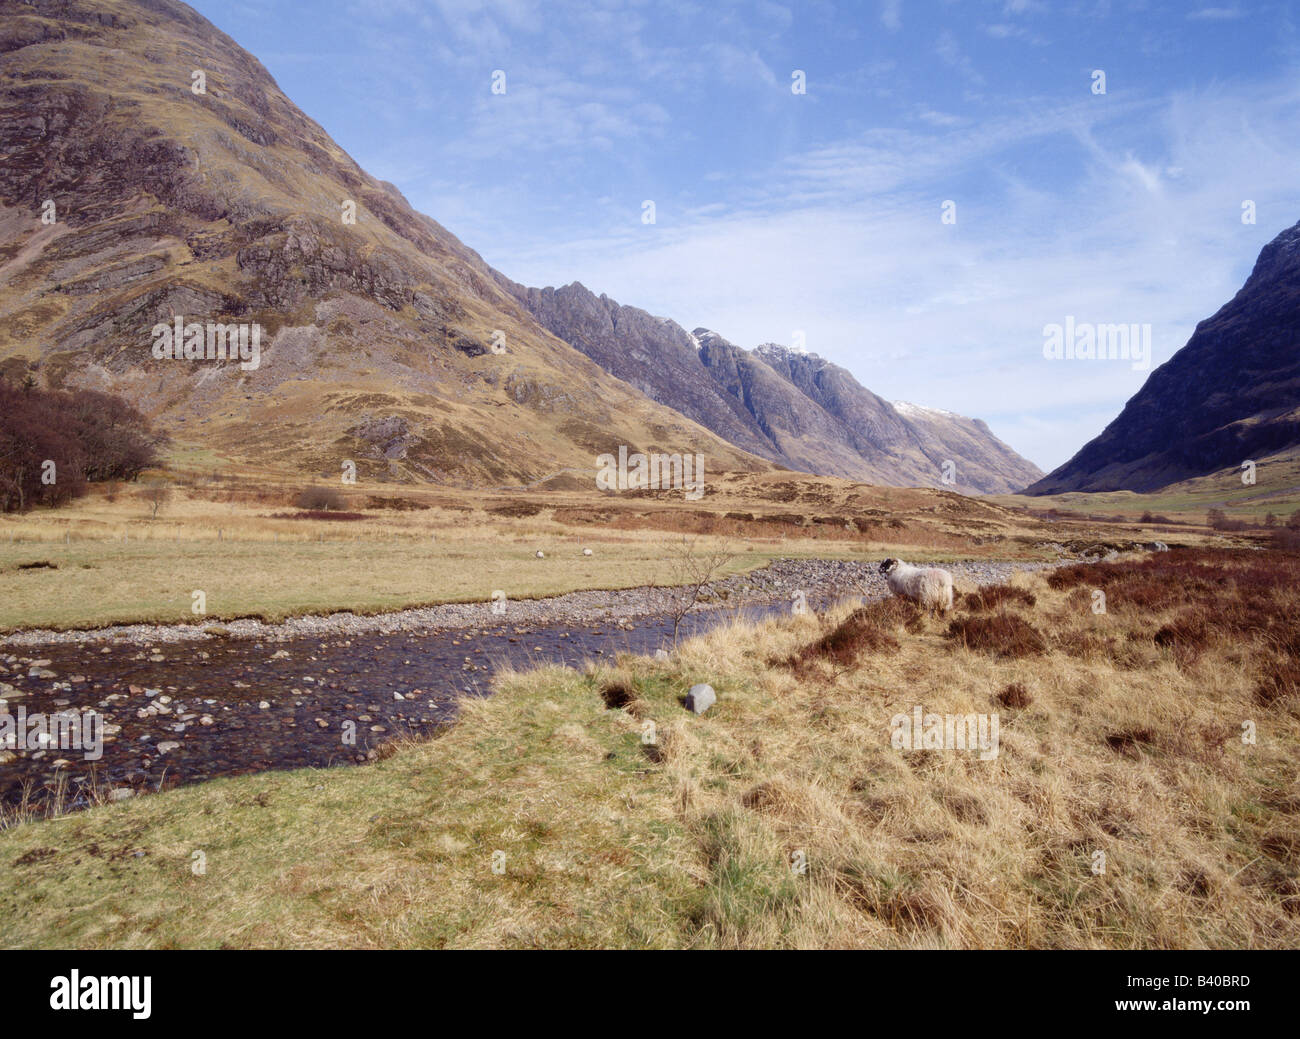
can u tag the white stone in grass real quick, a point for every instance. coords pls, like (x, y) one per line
(700, 698)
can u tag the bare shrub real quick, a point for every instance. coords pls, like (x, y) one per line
(869, 629)
(691, 570)
(997, 596)
(155, 494)
(321, 499)
(1015, 695)
(1002, 634)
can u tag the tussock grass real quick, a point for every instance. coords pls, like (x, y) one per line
(626, 821)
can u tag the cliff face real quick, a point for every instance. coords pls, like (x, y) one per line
(795, 409)
(1231, 394)
(128, 199)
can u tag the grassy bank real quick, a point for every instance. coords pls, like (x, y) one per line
(109, 558)
(1120, 734)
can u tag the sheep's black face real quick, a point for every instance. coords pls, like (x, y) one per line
(888, 565)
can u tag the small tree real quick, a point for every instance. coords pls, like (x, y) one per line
(156, 494)
(1270, 521)
(691, 569)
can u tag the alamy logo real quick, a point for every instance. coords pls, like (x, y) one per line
(213, 342)
(920, 731)
(95, 993)
(651, 472)
(63, 730)
(1085, 342)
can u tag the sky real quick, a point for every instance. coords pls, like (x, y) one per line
(953, 179)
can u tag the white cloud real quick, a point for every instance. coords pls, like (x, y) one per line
(1215, 14)
(950, 51)
(846, 244)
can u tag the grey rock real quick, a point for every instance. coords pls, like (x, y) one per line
(701, 698)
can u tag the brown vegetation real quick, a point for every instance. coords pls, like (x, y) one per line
(52, 444)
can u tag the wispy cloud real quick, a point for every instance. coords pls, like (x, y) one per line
(951, 52)
(953, 315)
(1215, 14)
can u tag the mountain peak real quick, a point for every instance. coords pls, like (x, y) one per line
(781, 350)
(784, 404)
(230, 206)
(1228, 395)
(907, 408)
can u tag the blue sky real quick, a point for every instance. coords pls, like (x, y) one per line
(821, 212)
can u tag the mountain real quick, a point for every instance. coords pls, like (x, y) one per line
(128, 198)
(1232, 393)
(982, 461)
(793, 408)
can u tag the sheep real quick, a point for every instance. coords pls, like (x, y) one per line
(586, 551)
(928, 586)
(541, 554)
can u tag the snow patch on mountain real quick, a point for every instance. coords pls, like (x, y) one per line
(905, 408)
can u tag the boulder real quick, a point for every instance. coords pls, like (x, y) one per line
(700, 698)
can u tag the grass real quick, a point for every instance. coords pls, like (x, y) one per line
(1276, 489)
(1115, 752)
(239, 541)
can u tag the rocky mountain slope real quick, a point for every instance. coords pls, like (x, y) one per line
(128, 198)
(796, 409)
(1231, 394)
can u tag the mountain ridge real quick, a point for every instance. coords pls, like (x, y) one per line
(790, 406)
(1230, 394)
(381, 334)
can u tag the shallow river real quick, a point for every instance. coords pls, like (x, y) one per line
(185, 712)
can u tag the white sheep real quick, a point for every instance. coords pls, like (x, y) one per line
(928, 586)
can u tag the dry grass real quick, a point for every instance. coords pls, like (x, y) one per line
(1122, 810)
(236, 536)
(108, 563)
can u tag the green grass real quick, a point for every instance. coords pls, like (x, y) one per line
(399, 853)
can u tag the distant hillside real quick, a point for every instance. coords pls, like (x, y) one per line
(379, 336)
(1231, 394)
(796, 409)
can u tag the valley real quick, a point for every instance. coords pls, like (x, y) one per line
(408, 605)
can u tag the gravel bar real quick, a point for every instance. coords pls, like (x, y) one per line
(820, 580)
